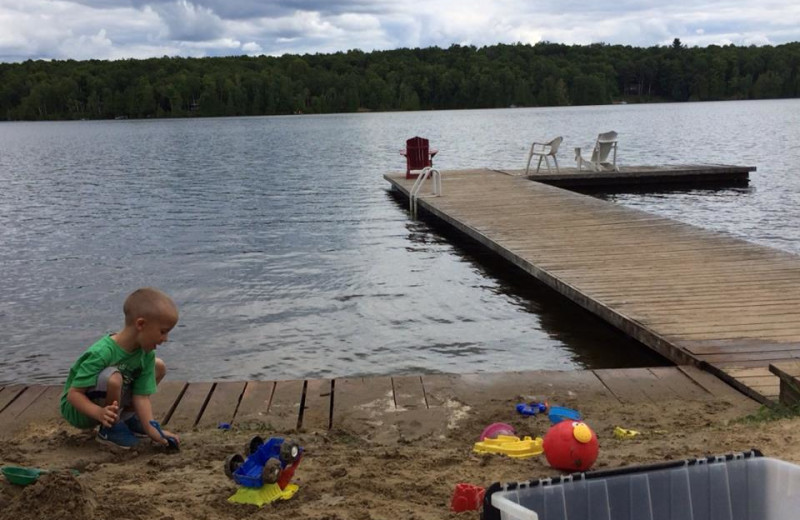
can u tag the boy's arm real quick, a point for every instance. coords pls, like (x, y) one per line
(106, 416)
(144, 411)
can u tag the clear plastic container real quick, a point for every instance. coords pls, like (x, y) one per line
(742, 486)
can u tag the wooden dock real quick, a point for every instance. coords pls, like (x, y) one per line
(386, 408)
(695, 296)
(644, 176)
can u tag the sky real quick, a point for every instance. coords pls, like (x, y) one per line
(119, 29)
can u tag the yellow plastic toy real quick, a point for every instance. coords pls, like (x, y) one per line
(510, 445)
(266, 494)
(622, 433)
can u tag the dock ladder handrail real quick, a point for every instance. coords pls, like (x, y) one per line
(437, 187)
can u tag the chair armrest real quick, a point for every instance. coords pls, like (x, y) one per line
(541, 148)
(432, 152)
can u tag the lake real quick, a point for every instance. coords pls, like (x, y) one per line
(288, 258)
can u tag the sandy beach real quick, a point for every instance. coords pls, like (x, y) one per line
(381, 470)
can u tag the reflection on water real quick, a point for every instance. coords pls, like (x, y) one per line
(288, 258)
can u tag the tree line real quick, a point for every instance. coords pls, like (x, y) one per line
(545, 74)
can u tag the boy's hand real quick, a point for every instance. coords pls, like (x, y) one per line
(107, 416)
(170, 434)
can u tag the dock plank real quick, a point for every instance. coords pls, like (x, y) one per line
(713, 385)
(9, 415)
(360, 404)
(409, 393)
(680, 384)
(190, 407)
(44, 409)
(640, 388)
(254, 406)
(788, 374)
(222, 405)
(284, 410)
(8, 394)
(165, 400)
(317, 406)
(565, 387)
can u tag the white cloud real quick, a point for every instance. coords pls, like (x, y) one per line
(189, 22)
(252, 48)
(140, 28)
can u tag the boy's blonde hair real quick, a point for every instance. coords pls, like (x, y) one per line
(148, 303)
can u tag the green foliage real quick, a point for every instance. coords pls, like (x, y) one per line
(775, 412)
(545, 74)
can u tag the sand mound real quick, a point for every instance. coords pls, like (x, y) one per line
(56, 496)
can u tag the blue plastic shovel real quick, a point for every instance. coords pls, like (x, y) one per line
(172, 442)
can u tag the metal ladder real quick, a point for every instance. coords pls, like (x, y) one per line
(436, 177)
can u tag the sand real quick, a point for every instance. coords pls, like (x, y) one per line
(358, 474)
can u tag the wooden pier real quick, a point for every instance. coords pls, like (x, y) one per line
(386, 409)
(695, 296)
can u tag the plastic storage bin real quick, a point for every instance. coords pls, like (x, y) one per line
(741, 486)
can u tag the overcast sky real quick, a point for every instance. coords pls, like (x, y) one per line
(114, 29)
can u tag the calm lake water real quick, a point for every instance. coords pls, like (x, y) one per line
(288, 258)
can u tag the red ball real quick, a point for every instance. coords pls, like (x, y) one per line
(570, 446)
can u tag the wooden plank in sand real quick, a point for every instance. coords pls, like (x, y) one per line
(254, 405)
(361, 404)
(756, 381)
(190, 407)
(284, 411)
(636, 385)
(316, 412)
(409, 393)
(222, 405)
(46, 407)
(8, 395)
(789, 375)
(166, 399)
(564, 387)
(681, 385)
(716, 387)
(9, 415)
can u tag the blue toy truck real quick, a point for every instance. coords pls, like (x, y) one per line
(267, 462)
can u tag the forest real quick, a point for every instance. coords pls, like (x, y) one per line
(459, 77)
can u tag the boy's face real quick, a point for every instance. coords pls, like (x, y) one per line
(153, 332)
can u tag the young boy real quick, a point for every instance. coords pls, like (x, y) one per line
(111, 383)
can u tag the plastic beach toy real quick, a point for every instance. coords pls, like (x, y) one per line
(172, 442)
(570, 446)
(531, 408)
(24, 476)
(265, 474)
(495, 429)
(559, 413)
(622, 433)
(510, 445)
(266, 494)
(467, 497)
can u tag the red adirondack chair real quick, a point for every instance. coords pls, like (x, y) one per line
(418, 156)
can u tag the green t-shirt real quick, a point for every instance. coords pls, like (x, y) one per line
(138, 370)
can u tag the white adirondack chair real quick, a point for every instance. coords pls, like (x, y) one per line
(605, 146)
(543, 151)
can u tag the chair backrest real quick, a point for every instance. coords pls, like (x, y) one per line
(417, 153)
(554, 144)
(605, 143)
